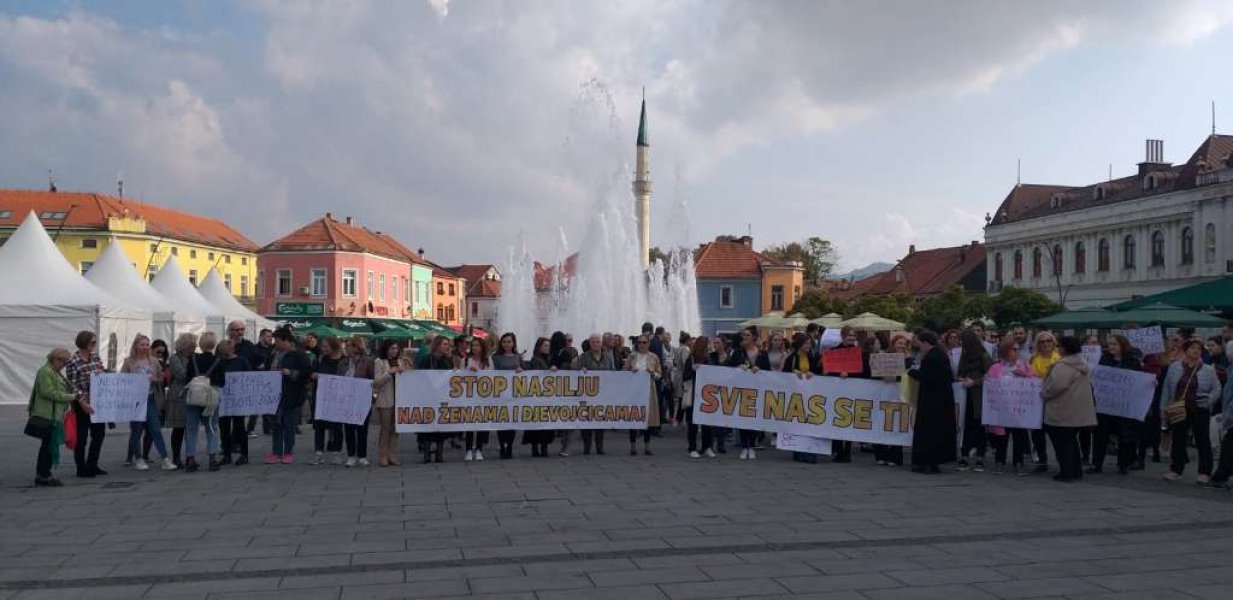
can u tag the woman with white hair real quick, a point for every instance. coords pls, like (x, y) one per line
(48, 401)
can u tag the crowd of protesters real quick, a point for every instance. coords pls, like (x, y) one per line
(1190, 391)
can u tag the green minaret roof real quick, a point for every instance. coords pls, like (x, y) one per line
(643, 137)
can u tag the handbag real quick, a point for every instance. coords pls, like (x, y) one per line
(1175, 411)
(37, 427)
(70, 429)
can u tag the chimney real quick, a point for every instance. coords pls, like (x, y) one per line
(420, 252)
(329, 216)
(911, 249)
(975, 243)
(348, 220)
(746, 240)
(1153, 159)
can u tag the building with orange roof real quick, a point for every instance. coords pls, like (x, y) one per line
(924, 273)
(737, 283)
(449, 297)
(83, 224)
(483, 292)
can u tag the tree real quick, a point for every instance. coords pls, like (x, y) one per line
(897, 307)
(950, 309)
(817, 255)
(816, 302)
(1018, 305)
(727, 238)
(656, 254)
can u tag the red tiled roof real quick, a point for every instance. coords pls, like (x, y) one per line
(328, 233)
(1025, 198)
(736, 259)
(924, 272)
(470, 272)
(858, 288)
(544, 275)
(91, 211)
(484, 288)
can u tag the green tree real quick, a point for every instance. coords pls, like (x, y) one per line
(898, 307)
(817, 255)
(950, 309)
(815, 302)
(1018, 305)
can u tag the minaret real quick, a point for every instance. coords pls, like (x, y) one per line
(642, 189)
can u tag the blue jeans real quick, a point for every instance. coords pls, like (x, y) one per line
(283, 431)
(153, 424)
(193, 417)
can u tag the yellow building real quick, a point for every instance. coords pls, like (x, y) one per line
(82, 225)
(781, 286)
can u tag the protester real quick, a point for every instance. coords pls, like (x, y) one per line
(750, 358)
(1118, 356)
(358, 364)
(440, 358)
(849, 338)
(296, 367)
(804, 362)
(541, 360)
(777, 351)
(888, 455)
(1009, 364)
(479, 360)
(974, 363)
(1191, 388)
(231, 362)
(263, 353)
(1216, 357)
(385, 381)
(1043, 357)
(594, 358)
(177, 384)
(140, 361)
(158, 349)
(507, 358)
(203, 364)
(49, 399)
(934, 428)
(327, 435)
(84, 363)
(1224, 468)
(1069, 406)
(699, 357)
(562, 360)
(643, 360)
(681, 352)
(231, 430)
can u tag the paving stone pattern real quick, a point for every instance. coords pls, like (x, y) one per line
(611, 526)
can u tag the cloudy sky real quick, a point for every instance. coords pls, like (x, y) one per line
(462, 126)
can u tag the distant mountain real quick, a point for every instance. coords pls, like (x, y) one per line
(866, 271)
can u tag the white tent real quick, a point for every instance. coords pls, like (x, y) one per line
(115, 274)
(171, 283)
(213, 290)
(44, 302)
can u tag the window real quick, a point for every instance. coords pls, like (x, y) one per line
(1187, 246)
(1098, 193)
(227, 259)
(449, 313)
(381, 286)
(394, 288)
(152, 273)
(451, 289)
(1080, 258)
(244, 285)
(796, 293)
(348, 282)
(192, 276)
(227, 281)
(1036, 262)
(53, 214)
(85, 266)
(1055, 257)
(1157, 248)
(89, 243)
(1209, 243)
(725, 296)
(1149, 183)
(261, 284)
(316, 282)
(175, 251)
(1018, 264)
(475, 309)
(406, 289)
(211, 257)
(192, 254)
(284, 283)
(5, 214)
(441, 312)
(440, 288)
(1128, 252)
(244, 261)
(1102, 255)
(997, 267)
(776, 297)
(370, 285)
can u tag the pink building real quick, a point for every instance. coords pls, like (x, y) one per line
(335, 268)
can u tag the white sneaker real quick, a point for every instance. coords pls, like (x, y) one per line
(141, 465)
(752, 455)
(563, 454)
(744, 454)
(350, 461)
(337, 458)
(709, 453)
(479, 455)
(317, 458)
(694, 454)
(364, 462)
(470, 456)
(168, 465)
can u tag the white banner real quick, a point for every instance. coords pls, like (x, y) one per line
(343, 399)
(802, 443)
(1012, 402)
(1122, 392)
(119, 397)
(1149, 340)
(480, 400)
(247, 393)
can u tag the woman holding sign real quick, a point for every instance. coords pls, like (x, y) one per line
(1009, 365)
(507, 358)
(749, 357)
(1120, 356)
(974, 362)
(357, 364)
(439, 359)
(1069, 406)
(327, 364)
(805, 364)
(934, 428)
(541, 360)
(477, 360)
(385, 378)
(642, 359)
(1190, 387)
(141, 361)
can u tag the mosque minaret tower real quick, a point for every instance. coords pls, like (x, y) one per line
(642, 189)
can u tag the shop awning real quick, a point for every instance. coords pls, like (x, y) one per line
(1211, 296)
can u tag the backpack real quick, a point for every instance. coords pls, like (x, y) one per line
(199, 392)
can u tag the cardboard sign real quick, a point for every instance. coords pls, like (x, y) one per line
(830, 338)
(250, 393)
(843, 360)
(887, 364)
(343, 399)
(1149, 340)
(1012, 402)
(802, 443)
(1122, 392)
(1092, 354)
(119, 397)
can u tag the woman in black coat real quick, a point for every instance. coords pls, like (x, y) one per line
(440, 359)
(1119, 355)
(749, 357)
(541, 360)
(934, 429)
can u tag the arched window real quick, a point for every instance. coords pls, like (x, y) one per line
(1057, 259)
(441, 312)
(1158, 248)
(1098, 193)
(1149, 183)
(997, 267)
(1080, 258)
(1102, 255)
(1018, 264)
(1209, 243)
(1128, 252)
(449, 314)
(1187, 246)
(1036, 260)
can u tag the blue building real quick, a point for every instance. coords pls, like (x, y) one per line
(737, 283)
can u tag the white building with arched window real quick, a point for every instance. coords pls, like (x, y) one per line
(1168, 226)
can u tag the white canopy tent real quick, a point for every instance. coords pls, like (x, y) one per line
(44, 302)
(115, 274)
(213, 290)
(171, 283)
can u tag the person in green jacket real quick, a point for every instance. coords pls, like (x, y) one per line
(50, 399)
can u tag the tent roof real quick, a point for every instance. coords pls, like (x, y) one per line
(1216, 295)
(171, 283)
(116, 275)
(213, 290)
(33, 271)
(1170, 316)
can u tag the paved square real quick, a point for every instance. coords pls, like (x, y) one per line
(611, 526)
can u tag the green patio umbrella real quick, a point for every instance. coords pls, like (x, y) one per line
(1096, 318)
(1169, 316)
(400, 330)
(354, 325)
(322, 331)
(1210, 296)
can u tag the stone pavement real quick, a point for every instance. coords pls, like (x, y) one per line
(610, 526)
